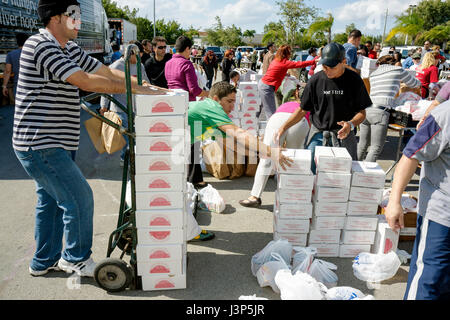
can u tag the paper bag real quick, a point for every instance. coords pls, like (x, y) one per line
(213, 156)
(94, 129)
(113, 140)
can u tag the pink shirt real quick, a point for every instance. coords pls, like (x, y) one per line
(180, 74)
(291, 107)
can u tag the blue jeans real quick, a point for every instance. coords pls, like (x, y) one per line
(65, 207)
(317, 140)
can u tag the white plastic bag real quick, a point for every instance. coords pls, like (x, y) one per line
(282, 247)
(344, 293)
(321, 271)
(253, 297)
(300, 286)
(266, 274)
(211, 199)
(303, 258)
(375, 267)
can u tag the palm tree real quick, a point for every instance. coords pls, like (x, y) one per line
(411, 25)
(440, 33)
(322, 24)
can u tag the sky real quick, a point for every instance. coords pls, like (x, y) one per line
(367, 15)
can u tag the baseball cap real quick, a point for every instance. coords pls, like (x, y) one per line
(332, 54)
(416, 56)
(50, 8)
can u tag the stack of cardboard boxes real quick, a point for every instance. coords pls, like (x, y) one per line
(250, 102)
(162, 151)
(293, 207)
(368, 66)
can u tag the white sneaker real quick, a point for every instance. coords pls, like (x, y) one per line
(83, 269)
(36, 273)
(122, 163)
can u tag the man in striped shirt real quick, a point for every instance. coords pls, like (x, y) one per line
(46, 135)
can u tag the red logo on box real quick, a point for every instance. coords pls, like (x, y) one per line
(160, 269)
(159, 166)
(160, 202)
(159, 235)
(159, 221)
(162, 107)
(160, 127)
(160, 254)
(164, 284)
(159, 184)
(160, 147)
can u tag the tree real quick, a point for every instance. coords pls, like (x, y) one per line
(433, 13)
(439, 34)
(295, 15)
(411, 25)
(274, 32)
(114, 11)
(170, 30)
(249, 33)
(191, 32)
(144, 28)
(320, 26)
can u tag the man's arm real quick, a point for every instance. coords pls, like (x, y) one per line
(403, 174)
(6, 76)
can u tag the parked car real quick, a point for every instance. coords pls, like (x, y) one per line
(245, 48)
(217, 51)
(301, 55)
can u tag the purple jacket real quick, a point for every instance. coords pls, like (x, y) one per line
(180, 74)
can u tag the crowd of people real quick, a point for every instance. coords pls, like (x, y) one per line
(325, 111)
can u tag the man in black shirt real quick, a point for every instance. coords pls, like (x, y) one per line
(148, 49)
(336, 98)
(155, 65)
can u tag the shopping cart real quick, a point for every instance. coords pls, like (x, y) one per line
(114, 274)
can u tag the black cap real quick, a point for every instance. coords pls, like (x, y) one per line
(332, 54)
(270, 44)
(50, 8)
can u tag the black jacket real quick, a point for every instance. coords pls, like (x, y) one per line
(155, 70)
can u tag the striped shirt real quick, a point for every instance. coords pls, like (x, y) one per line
(385, 84)
(47, 112)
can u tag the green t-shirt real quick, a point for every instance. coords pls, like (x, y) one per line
(205, 117)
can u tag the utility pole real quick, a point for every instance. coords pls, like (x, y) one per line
(384, 32)
(154, 18)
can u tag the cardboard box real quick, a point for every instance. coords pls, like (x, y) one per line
(234, 114)
(256, 77)
(145, 253)
(163, 282)
(368, 174)
(250, 108)
(333, 179)
(357, 237)
(251, 101)
(367, 195)
(327, 223)
(361, 223)
(301, 164)
(296, 239)
(161, 126)
(146, 164)
(161, 105)
(159, 200)
(246, 86)
(248, 114)
(160, 182)
(250, 94)
(237, 122)
(290, 225)
(159, 267)
(158, 236)
(352, 250)
(160, 218)
(324, 236)
(330, 159)
(160, 145)
(334, 209)
(292, 196)
(294, 211)
(362, 208)
(326, 249)
(334, 195)
(408, 234)
(386, 239)
(369, 63)
(293, 181)
(250, 122)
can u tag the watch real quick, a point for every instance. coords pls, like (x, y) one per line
(352, 126)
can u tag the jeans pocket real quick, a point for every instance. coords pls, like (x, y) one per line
(23, 155)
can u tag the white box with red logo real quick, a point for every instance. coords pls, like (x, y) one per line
(329, 250)
(159, 267)
(160, 182)
(159, 200)
(158, 236)
(160, 218)
(386, 239)
(161, 126)
(362, 208)
(324, 236)
(327, 194)
(251, 101)
(173, 103)
(256, 77)
(293, 196)
(170, 252)
(368, 174)
(292, 181)
(161, 145)
(333, 209)
(329, 159)
(352, 250)
(333, 179)
(294, 211)
(248, 86)
(357, 237)
(248, 114)
(250, 94)
(367, 195)
(296, 239)
(301, 162)
(234, 114)
(291, 225)
(361, 223)
(327, 223)
(158, 282)
(161, 164)
(250, 108)
(247, 122)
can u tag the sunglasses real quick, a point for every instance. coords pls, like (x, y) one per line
(162, 47)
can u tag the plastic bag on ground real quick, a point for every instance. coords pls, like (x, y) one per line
(211, 199)
(321, 271)
(266, 274)
(375, 267)
(345, 293)
(300, 286)
(282, 247)
(253, 297)
(303, 259)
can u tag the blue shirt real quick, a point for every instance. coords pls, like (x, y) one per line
(116, 56)
(238, 55)
(13, 58)
(309, 59)
(408, 63)
(351, 54)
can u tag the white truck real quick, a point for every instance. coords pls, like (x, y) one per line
(124, 30)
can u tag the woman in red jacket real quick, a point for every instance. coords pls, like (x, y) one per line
(427, 73)
(275, 75)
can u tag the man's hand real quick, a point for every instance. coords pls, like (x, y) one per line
(395, 215)
(421, 122)
(5, 92)
(345, 131)
(278, 157)
(102, 111)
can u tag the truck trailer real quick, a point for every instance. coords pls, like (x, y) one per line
(124, 31)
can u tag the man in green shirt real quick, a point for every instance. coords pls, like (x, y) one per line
(209, 119)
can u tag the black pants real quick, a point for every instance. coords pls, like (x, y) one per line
(195, 174)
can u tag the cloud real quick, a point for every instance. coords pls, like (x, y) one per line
(245, 13)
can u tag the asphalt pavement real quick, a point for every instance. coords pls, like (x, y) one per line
(217, 270)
